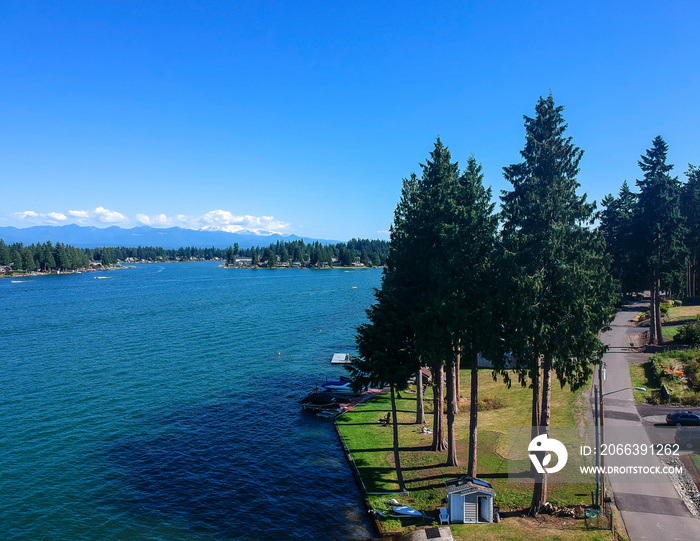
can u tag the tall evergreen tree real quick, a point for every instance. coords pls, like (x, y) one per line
(5, 257)
(617, 226)
(559, 291)
(690, 209)
(386, 352)
(441, 240)
(660, 228)
(475, 325)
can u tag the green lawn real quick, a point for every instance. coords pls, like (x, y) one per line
(669, 332)
(641, 376)
(682, 313)
(424, 471)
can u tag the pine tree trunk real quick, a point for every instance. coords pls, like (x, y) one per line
(420, 409)
(657, 286)
(473, 417)
(536, 399)
(539, 494)
(659, 334)
(439, 443)
(688, 275)
(652, 314)
(451, 436)
(397, 458)
(536, 405)
(458, 389)
(455, 386)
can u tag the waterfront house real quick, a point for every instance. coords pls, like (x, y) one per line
(244, 262)
(483, 362)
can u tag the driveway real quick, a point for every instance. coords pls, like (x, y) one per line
(651, 509)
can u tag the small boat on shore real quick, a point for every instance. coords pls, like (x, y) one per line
(407, 512)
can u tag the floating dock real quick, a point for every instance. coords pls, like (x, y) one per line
(341, 358)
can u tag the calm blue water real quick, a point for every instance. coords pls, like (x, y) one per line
(160, 403)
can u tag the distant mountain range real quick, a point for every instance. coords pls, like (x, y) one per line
(168, 238)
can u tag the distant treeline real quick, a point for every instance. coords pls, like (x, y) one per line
(368, 252)
(63, 257)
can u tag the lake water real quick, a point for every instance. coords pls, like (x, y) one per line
(161, 403)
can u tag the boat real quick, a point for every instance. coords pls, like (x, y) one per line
(406, 511)
(341, 386)
(319, 399)
(330, 414)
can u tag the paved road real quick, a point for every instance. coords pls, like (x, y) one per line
(651, 509)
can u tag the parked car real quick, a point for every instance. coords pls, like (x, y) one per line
(684, 418)
(688, 437)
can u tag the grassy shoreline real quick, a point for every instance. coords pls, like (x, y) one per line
(370, 446)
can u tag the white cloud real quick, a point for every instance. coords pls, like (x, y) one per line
(28, 215)
(100, 215)
(215, 220)
(57, 216)
(155, 221)
(109, 216)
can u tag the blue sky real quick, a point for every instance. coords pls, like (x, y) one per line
(303, 117)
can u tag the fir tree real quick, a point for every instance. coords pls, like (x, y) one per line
(617, 226)
(690, 209)
(559, 293)
(660, 228)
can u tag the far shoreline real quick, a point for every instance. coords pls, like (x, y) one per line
(131, 264)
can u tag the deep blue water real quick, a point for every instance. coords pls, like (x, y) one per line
(160, 403)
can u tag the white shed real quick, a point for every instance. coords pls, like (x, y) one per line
(470, 501)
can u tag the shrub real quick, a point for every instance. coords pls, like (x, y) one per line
(691, 400)
(661, 372)
(489, 404)
(689, 333)
(674, 398)
(663, 310)
(657, 372)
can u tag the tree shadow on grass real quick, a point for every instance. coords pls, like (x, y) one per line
(377, 478)
(383, 410)
(375, 424)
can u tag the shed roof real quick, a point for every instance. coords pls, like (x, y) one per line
(469, 484)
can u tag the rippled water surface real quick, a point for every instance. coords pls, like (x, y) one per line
(160, 403)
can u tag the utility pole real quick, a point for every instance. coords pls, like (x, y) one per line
(596, 500)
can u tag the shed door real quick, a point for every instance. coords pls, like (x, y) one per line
(485, 509)
(470, 511)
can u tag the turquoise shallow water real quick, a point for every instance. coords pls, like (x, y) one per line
(161, 403)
